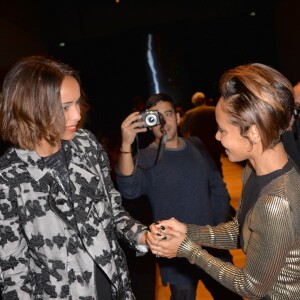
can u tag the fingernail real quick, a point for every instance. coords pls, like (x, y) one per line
(162, 227)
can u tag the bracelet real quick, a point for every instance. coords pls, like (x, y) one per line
(124, 152)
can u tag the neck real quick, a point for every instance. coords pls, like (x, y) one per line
(44, 149)
(270, 160)
(173, 143)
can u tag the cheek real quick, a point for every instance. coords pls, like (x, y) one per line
(68, 115)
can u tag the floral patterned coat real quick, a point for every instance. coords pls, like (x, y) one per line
(49, 242)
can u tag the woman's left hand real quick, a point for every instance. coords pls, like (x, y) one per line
(164, 242)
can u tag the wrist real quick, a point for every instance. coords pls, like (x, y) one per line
(125, 150)
(185, 247)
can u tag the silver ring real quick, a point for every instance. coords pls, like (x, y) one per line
(157, 254)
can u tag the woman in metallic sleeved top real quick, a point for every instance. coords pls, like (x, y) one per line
(255, 107)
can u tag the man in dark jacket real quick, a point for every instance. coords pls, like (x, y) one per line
(181, 181)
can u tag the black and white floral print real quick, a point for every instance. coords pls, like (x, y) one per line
(49, 241)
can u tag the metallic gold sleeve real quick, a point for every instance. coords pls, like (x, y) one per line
(271, 234)
(224, 236)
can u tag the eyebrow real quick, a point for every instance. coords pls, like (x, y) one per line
(71, 101)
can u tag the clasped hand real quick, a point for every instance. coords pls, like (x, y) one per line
(165, 237)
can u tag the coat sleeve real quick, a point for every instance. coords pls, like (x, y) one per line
(127, 228)
(271, 238)
(13, 247)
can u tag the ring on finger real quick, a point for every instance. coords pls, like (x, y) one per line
(157, 254)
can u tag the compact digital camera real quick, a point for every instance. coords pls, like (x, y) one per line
(150, 117)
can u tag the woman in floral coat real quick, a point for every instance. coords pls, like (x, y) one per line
(60, 216)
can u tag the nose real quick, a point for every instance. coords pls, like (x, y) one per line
(218, 136)
(76, 115)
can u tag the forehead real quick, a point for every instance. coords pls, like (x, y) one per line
(220, 112)
(70, 89)
(163, 106)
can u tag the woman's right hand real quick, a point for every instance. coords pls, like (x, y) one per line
(173, 224)
(163, 239)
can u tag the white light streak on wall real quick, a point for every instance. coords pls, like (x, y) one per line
(151, 64)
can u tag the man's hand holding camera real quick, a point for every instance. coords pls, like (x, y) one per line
(135, 123)
(132, 125)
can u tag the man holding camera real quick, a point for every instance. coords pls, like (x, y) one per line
(180, 180)
(291, 137)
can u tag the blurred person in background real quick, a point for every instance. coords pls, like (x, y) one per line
(200, 121)
(291, 136)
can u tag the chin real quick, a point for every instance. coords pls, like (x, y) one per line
(68, 136)
(235, 159)
(231, 158)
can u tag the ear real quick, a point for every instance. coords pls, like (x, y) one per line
(177, 118)
(254, 135)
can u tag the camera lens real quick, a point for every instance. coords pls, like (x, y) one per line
(151, 120)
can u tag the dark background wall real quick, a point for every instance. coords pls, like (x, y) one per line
(193, 43)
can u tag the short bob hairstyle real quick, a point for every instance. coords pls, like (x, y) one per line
(30, 102)
(256, 94)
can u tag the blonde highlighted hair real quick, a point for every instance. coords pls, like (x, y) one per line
(256, 94)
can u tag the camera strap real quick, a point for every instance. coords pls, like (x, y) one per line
(161, 148)
(160, 151)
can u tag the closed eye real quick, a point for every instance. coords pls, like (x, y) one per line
(65, 107)
(220, 130)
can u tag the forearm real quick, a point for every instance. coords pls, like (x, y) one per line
(125, 164)
(225, 273)
(127, 227)
(130, 127)
(267, 243)
(223, 236)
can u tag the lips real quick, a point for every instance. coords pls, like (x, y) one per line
(71, 128)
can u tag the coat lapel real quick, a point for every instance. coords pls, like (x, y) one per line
(87, 190)
(84, 184)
